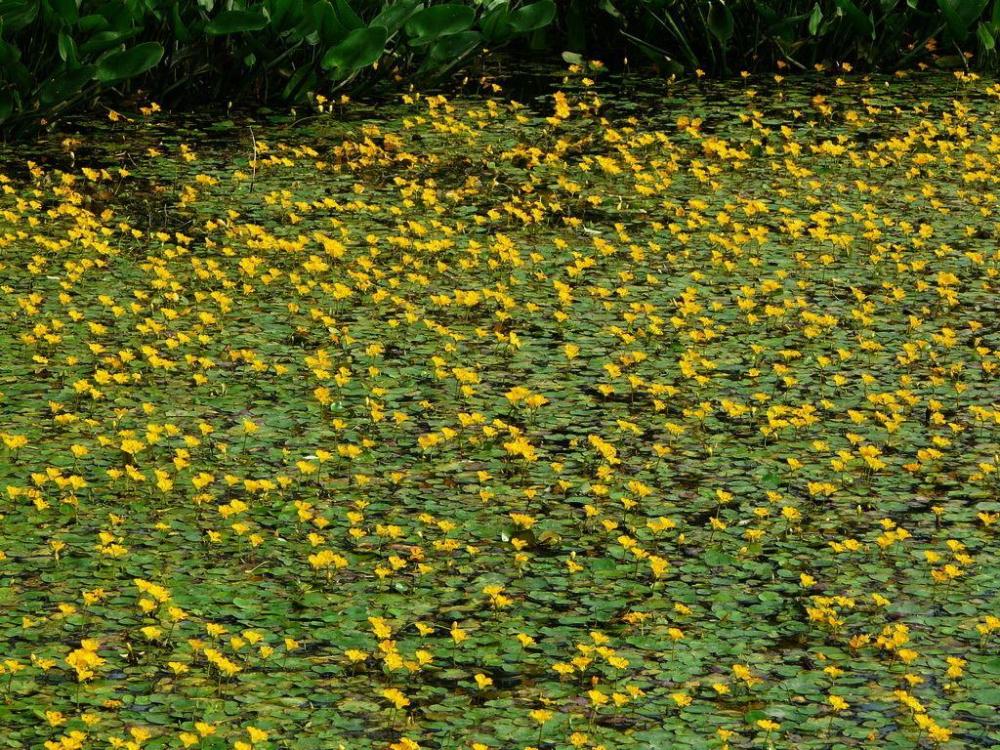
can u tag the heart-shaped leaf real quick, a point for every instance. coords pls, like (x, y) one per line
(394, 16)
(720, 21)
(861, 21)
(65, 9)
(533, 16)
(235, 22)
(986, 38)
(129, 63)
(359, 49)
(328, 28)
(438, 21)
(815, 19)
(961, 16)
(64, 85)
(346, 15)
(496, 26)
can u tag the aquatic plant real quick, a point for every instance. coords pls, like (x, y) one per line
(460, 423)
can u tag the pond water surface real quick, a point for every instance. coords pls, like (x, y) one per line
(635, 414)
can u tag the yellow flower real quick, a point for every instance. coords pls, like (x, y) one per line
(540, 715)
(257, 735)
(837, 703)
(396, 697)
(597, 697)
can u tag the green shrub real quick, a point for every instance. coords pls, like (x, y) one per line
(55, 54)
(720, 37)
(58, 54)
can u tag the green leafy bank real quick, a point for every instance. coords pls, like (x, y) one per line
(56, 55)
(721, 37)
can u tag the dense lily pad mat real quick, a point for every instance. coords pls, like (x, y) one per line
(659, 421)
